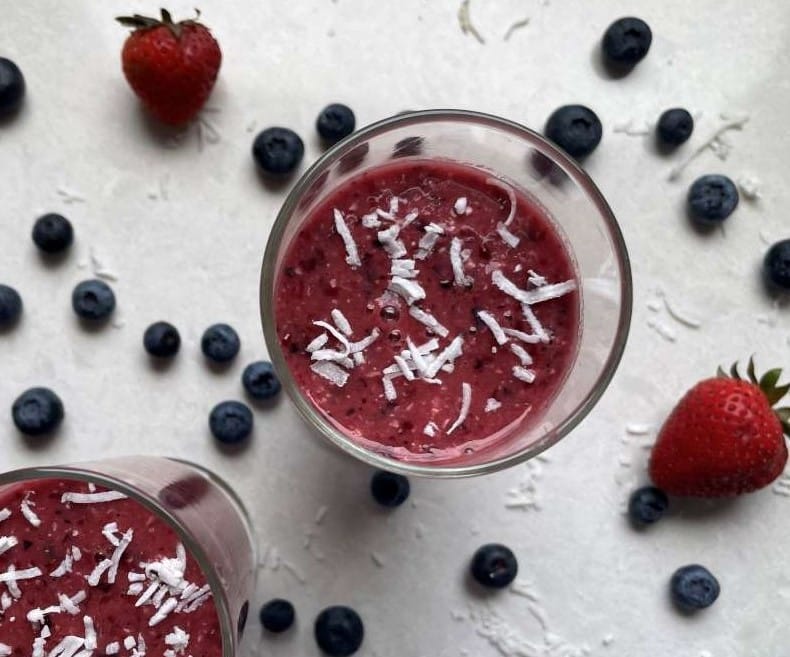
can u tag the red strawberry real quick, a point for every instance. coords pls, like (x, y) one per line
(172, 67)
(723, 438)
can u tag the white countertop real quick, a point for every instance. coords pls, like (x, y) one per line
(183, 229)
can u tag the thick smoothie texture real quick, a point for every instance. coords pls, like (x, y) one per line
(88, 572)
(428, 307)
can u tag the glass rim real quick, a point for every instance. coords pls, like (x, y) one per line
(269, 274)
(83, 472)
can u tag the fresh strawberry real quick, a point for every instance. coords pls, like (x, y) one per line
(171, 66)
(723, 438)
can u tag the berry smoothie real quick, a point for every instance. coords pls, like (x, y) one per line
(428, 309)
(88, 571)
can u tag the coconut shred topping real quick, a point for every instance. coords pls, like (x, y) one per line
(160, 583)
(337, 349)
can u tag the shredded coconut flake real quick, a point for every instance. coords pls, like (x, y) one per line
(411, 291)
(447, 355)
(5, 650)
(389, 240)
(521, 353)
(112, 648)
(163, 612)
(507, 237)
(331, 372)
(403, 268)
(428, 241)
(5, 514)
(91, 498)
(460, 205)
(178, 640)
(26, 507)
(492, 405)
(523, 374)
(536, 279)
(430, 429)
(428, 320)
(524, 337)
(13, 575)
(341, 322)
(511, 195)
(7, 542)
(404, 368)
(115, 559)
(317, 342)
(95, 577)
(371, 220)
(529, 297)
(352, 255)
(457, 262)
(490, 321)
(389, 388)
(68, 647)
(409, 218)
(535, 325)
(364, 343)
(466, 401)
(129, 642)
(90, 633)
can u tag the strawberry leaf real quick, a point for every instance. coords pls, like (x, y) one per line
(770, 378)
(750, 370)
(784, 417)
(734, 372)
(721, 373)
(166, 17)
(776, 393)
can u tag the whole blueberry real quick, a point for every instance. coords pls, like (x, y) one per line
(10, 305)
(494, 566)
(37, 411)
(220, 343)
(162, 340)
(93, 300)
(12, 87)
(712, 198)
(675, 126)
(389, 489)
(626, 41)
(230, 422)
(339, 631)
(278, 151)
(646, 505)
(776, 264)
(335, 122)
(260, 381)
(52, 233)
(693, 587)
(574, 128)
(277, 615)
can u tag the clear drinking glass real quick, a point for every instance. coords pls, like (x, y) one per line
(202, 509)
(552, 180)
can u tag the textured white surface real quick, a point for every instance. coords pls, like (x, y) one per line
(184, 231)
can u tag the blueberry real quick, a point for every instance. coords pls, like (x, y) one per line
(278, 151)
(675, 126)
(339, 631)
(776, 265)
(277, 615)
(647, 505)
(162, 340)
(10, 305)
(37, 411)
(260, 381)
(693, 587)
(230, 422)
(712, 199)
(53, 233)
(335, 122)
(494, 566)
(93, 300)
(12, 87)
(574, 128)
(220, 343)
(626, 41)
(389, 489)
